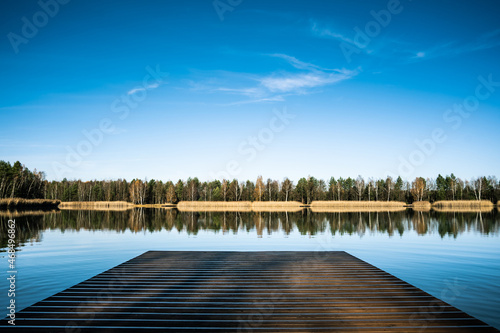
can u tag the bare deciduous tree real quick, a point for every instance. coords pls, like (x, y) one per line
(286, 187)
(360, 187)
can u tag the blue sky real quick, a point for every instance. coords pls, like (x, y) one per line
(237, 89)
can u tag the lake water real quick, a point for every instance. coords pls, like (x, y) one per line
(453, 256)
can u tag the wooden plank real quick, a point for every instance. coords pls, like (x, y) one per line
(244, 291)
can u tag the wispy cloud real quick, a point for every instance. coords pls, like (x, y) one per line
(296, 82)
(251, 92)
(320, 31)
(489, 40)
(277, 98)
(143, 88)
(405, 51)
(433, 52)
(299, 64)
(277, 85)
(483, 42)
(312, 76)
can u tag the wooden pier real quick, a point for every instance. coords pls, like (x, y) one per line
(166, 291)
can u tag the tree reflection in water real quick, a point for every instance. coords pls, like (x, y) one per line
(29, 225)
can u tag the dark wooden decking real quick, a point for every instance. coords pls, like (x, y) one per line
(245, 291)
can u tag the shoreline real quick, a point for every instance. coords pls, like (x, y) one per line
(96, 205)
(343, 206)
(12, 214)
(463, 204)
(483, 206)
(420, 206)
(255, 206)
(240, 206)
(19, 203)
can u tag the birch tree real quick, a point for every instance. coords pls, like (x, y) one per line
(370, 186)
(389, 185)
(360, 187)
(224, 189)
(286, 188)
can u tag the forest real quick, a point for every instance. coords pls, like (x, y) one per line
(17, 181)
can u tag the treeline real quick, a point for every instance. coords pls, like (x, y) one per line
(17, 181)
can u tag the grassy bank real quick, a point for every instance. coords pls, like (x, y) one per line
(18, 203)
(463, 204)
(277, 206)
(168, 206)
(96, 205)
(326, 209)
(357, 206)
(12, 214)
(239, 206)
(248, 206)
(421, 205)
(483, 209)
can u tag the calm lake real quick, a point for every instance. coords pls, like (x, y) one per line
(454, 256)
